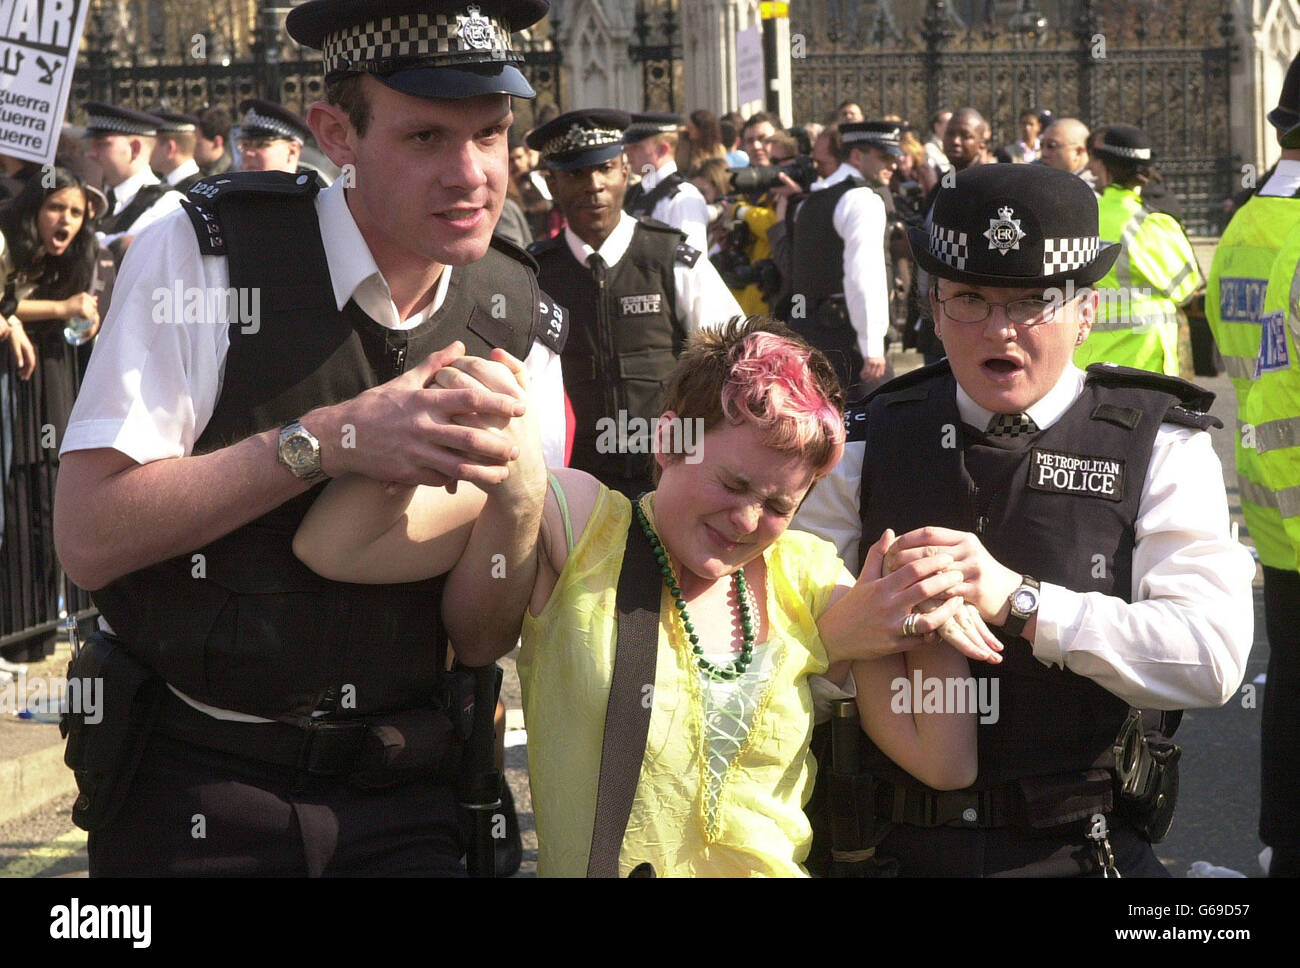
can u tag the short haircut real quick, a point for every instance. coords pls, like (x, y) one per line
(758, 117)
(215, 122)
(727, 131)
(184, 140)
(347, 93)
(758, 371)
(782, 140)
(835, 142)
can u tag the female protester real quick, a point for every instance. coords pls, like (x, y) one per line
(703, 141)
(52, 264)
(749, 615)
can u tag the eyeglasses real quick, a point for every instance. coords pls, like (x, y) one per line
(971, 307)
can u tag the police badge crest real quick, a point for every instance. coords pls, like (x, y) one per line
(475, 29)
(1004, 232)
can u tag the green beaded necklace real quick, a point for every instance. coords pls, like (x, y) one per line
(736, 666)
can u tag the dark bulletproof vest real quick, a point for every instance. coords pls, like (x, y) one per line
(818, 248)
(641, 204)
(259, 632)
(141, 203)
(623, 343)
(1055, 729)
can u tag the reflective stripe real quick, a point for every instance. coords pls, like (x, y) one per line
(1240, 367)
(1288, 502)
(1255, 493)
(1123, 270)
(1183, 273)
(1277, 434)
(1293, 304)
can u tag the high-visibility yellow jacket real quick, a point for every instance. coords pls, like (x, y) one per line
(1273, 407)
(759, 220)
(1137, 319)
(1234, 305)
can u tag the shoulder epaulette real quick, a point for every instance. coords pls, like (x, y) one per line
(550, 323)
(910, 381)
(653, 223)
(855, 422)
(542, 246)
(204, 196)
(686, 255)
(506, 247)
(1193, 402)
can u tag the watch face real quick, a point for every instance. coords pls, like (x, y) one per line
(299, 450)
(1025, 600)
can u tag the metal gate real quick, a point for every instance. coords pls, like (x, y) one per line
(1163, 67)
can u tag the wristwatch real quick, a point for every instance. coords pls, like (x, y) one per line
(1024, 605)
(300, 452)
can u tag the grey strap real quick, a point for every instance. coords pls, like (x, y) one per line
(627, 717)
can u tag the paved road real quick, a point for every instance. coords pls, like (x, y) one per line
(1216, 819)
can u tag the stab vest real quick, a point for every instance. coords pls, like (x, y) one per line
(247, 626)
(818, 259)
(641, 204)
(625, 340)
(141, 203)
(1059, 506)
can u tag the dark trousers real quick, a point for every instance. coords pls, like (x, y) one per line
(1279, 745)
(1011, 852)
(195, 812)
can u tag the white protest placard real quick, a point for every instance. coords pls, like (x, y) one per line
(749, 66)
(38, 52)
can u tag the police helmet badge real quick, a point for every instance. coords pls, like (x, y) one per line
(475, 29)
(1004, 232)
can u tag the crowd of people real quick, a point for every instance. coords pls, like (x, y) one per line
(663, 449)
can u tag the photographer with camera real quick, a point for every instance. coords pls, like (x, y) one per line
(838, 298)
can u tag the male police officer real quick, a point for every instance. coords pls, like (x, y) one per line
(839, 283)
(305, 720)
(270, 137)
(636, 290)
(121, 141)
(173, 152)
(663, 193)
(1235, 305)
(1087, 514)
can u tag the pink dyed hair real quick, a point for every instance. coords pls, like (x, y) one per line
(758, 371)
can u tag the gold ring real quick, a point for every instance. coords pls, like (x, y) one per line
(909, 625)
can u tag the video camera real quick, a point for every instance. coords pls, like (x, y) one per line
(757, 179)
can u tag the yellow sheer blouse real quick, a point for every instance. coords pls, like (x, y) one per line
(685, 819)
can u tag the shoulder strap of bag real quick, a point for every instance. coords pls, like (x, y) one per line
(627, 717)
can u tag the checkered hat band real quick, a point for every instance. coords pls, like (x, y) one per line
(1141, 154)
(871, 137)
(254, 120)
(948, 246)
(580, 139)
(1065, 255)
(99, 122)
(418, 40)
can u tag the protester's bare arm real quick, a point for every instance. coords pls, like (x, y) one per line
(938, 748)
(113, 516)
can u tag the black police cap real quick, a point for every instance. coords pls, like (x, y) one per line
(1286, 116)
(647, 124)
(885, 135)
(169, 122)
(1014, 226)
(425, 48)
(1123, 142)
(110, 119)
(266, 119)
(576, 139)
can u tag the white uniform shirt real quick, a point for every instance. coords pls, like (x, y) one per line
(703, 299)
(1284, 182)
(686, 210)
(1184, 640)
(182, 171)
(125, 193)
(859, 218)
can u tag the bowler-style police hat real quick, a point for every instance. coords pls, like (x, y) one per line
(111, 119)
(885, 135)
(647, 124)
(266, 119)
(1286, 116)
(1123, 142)
(577, 139)
(425, 48)
(1014, 226)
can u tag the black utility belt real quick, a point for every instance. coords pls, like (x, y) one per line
(897, 803)
(371, 752)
